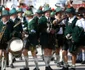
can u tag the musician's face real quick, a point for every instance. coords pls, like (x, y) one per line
(84, 15)
(5, 18)
(20, 14)
(38, 15)
(47, 14)
(59, 14)
(29, 17)
(13, 16)
(78, 17)
(69, 15)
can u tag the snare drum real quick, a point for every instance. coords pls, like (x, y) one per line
(16, 45)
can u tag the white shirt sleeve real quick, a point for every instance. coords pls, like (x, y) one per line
(83, 23)
(79, 23)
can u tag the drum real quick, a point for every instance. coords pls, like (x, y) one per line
(16, 45)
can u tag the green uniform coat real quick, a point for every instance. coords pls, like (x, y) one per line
(70, 30)
(32, 40)
(42, 29)
(18, 29)
(7, 34)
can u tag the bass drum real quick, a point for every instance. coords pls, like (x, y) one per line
(16, 45)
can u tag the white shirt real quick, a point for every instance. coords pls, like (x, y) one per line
(39, 17)
(5, 22)
(46, 17)
(71, 19)
(13, 19)
(21, 18)
(30, 20)
(81, 23)
(61, 29)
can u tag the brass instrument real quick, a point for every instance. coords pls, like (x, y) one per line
(17, 24)
(2, 32)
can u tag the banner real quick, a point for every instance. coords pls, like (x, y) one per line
(78, 5)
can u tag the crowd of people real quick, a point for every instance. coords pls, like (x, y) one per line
(52, 29)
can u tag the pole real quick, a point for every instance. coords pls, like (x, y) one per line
(2, 2)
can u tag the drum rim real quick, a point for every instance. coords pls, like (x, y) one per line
(12, 40)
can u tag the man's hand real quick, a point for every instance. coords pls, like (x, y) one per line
(54, 22)
(68, 36)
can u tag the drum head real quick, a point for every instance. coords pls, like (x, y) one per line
(16, 45)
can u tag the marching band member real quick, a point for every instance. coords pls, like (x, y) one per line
(7, 28)
(39, 13)
(20, 14)
(23, 21)
(59, 25)
(81, 55)
(32, 40)
(81, 24)
(17, 28)
(45, 37)
(68, 44)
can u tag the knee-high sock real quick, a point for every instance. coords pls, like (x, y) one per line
(47, 60)
(36, 62)
(26, 61)
(65, 64)
(11, 57)
(57, 58)
(83, 56)
(73, 66)
(2, 62)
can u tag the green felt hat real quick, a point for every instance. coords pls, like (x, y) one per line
(20, 10)
(70, 10)
(5, 13)
(58, 9)
(52, 13)
(28, 13)
(13, 11)
(46, 8)
(39, 11)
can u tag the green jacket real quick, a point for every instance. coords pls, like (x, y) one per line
(42, 22)
(77, 34)
(70, 26)
(32, 25)
(17, 31)
(8, 31)
(24, 24)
